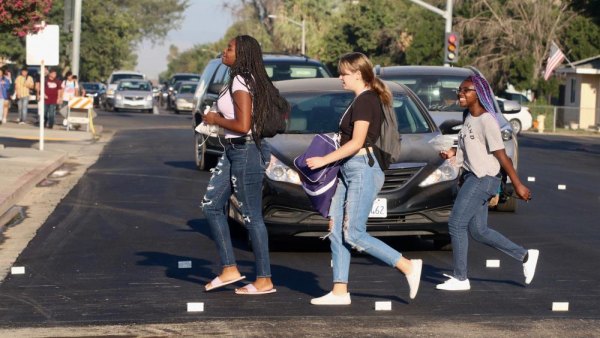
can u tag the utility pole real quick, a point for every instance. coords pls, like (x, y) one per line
(76, 37)
(447, 14)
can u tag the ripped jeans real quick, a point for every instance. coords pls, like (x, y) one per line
(357, 188)
(240, 170)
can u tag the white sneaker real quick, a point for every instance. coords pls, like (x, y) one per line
(331, 299)
(453, 284)
(529, 266)
(415, 277)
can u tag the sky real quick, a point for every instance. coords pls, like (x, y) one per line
(204, 21)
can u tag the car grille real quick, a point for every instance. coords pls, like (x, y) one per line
(134, 98)
(397, 178)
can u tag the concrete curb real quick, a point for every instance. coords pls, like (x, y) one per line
(13, 193)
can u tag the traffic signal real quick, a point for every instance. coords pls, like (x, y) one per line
(451, 48)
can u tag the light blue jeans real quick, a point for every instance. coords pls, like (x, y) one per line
(240, 171)
(22, 107)
(357, 188)
(470, 214)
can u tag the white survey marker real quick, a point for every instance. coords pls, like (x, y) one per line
(195, 307)
(560, 306)
(184, 264)
(17, 270)
(383, 306)
(562, 187)
(492, 263)
(530, 179)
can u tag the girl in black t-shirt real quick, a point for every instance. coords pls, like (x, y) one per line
(360, 181)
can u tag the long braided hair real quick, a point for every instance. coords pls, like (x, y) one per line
(249, 65)
(485, 95)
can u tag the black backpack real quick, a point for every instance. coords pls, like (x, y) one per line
(389, 142)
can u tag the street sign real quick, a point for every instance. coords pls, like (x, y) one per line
(43, 46)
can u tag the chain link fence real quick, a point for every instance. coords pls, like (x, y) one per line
(563, 118)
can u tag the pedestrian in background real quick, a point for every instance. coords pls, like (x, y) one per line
(360, 180)
(70, 88)
(5, 87)
(481, 154)
(23, 85)
(245, 104)
(52, 97)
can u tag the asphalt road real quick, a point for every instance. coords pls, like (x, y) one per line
(109, 252)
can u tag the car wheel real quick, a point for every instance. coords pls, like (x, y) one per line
(176, 111)
(115, 109)
(510, 205)
(442, 243)
(516, 126)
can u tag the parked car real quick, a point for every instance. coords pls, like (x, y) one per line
(417, 195)
(113, 79)
(519, 116)
(169, 86)
(95, 90)
(522, 99)
(435, 86)
(184, 96)
(134, 94)
(215, 74)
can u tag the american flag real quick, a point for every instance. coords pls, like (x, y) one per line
(555, 58)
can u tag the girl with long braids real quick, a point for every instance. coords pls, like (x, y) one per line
(360, 181)
(245, 103)
(481, 154)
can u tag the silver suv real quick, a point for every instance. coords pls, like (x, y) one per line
(435, 86)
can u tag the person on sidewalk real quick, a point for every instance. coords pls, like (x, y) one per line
(23, 85)
(361, 179)
(5, 86)
(70, 88)
(52, 97)
(245, 104)
(481, 154)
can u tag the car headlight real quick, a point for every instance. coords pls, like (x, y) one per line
(507, 134)
(110, 92)
(278, 171)
(119, 97)
(445, 172)
(149, 97)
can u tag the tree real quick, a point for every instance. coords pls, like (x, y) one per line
(21, 17)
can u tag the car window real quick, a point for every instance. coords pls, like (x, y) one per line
(184, 78)
(222, 75)
(91, 86)
(117, 77)
(187, 88)
(436, 92)
(321, 113)
(279, 72)
(134, 85)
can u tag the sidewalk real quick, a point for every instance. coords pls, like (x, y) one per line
(23, 166)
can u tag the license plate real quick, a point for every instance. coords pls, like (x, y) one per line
(379, 209)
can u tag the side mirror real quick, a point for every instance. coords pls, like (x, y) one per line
(509, 106)
(215, 88)
(451, 126)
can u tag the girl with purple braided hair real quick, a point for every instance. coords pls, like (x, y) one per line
(481, 154)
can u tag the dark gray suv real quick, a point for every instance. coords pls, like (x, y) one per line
(278, 66)
(435, 86)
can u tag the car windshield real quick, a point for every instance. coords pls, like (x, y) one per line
(134, 85)
(437, 92)
(279, 72)
(91, 86)
(187, 88)
(185, 78)
(314, 113)
(117, 77)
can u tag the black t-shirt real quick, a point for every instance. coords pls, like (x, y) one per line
(366, 107)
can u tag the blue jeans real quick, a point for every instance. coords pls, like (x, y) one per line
(49, 114)
(357, 188)
(22, 108)
(470, 213)
(240, 170)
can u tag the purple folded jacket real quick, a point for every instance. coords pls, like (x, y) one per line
(319, 184)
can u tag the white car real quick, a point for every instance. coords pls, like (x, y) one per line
(520, 119)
